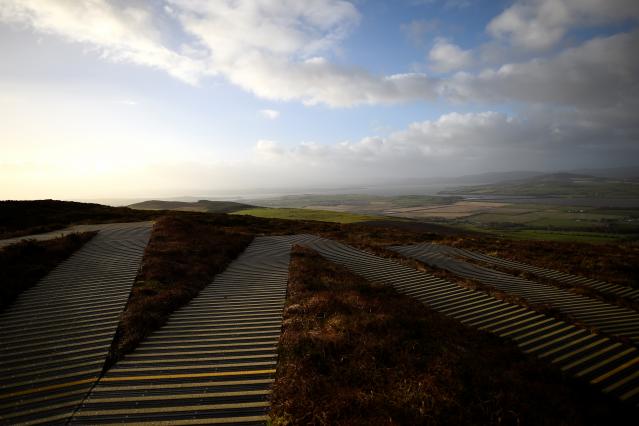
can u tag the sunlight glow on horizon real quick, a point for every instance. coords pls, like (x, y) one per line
(183, 97)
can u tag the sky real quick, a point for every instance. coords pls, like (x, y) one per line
(160, 98)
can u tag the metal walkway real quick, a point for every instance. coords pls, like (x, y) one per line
(214, 361)
(610, 366)
(595, 313)
(57, 334)
(562, 277)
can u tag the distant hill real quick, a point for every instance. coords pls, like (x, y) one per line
(478, 179)
(626, 173)
(19, 218)
(557, 185)
(205, 206)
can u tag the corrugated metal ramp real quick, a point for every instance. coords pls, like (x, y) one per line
(214, 361)
(57, 334)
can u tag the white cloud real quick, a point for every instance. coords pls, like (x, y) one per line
(273, 49)
(601, 72)
(540, 24)
(446, 56)
(271, 114)
(264, 46)
(120, 32)
(280, 50)
(458, 144)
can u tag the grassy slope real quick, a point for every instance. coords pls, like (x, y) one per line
(184, 254)
(361, 200)
(23, 264)
(356, 353)
(307, 214)
(18, 218)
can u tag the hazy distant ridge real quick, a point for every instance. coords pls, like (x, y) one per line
(206, 206)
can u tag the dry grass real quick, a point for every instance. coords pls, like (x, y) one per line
(356, 353)
(614, 263)
(184, 253)
(23, 264)
(19, 218)
(582, 290)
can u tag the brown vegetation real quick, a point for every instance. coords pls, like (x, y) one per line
(182, 257)
(187, 249)
(582, 290)
(23, 264)
(352, 352)
(614, 263)
(19, 218)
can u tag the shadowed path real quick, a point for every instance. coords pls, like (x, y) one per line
(610, 366)
(70, 230)
(612, 319)
(562, 277)
(57, 334)
(214, 361)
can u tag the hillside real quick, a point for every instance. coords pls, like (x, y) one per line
(202, 206)
(18, 218)
(558, 185)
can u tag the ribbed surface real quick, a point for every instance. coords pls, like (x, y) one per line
(611, 366)
(604, 316)
(56, 336)
(66, 231)
(214, 361)
(562, 277)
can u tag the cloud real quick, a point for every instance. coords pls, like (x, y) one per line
(446, 56)
(270, 48)
(120, 32)
(271, 114)
(281, 50)
(466, 143)
(540, 24)
(274, 50)
(601, 72)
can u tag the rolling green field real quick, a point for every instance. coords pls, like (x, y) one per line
(306, 214)
(560, 184)
(535, 221)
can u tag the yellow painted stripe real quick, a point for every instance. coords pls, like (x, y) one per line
(615, 371)
(605, 361)
(186, 376)
(178, 396)
(47, 388)
(622, 382)
(580, 350)
(209, 421)
(152, 386)
(169, 409)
